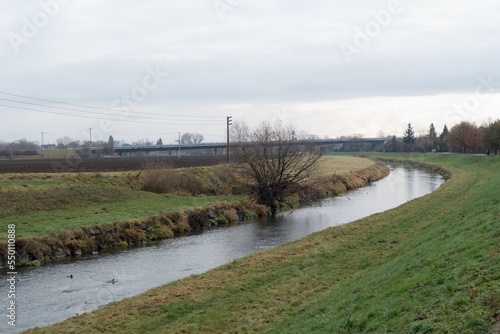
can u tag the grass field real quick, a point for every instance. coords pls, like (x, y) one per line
(429, 266)
(44, 203)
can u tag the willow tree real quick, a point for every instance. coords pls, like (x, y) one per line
(277, 159)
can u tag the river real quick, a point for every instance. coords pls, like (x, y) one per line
(47, 294)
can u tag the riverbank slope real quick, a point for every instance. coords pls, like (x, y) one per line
(431, 265)
(71, 214)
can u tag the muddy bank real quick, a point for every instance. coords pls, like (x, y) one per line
(33, 251)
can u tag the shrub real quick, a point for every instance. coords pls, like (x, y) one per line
(222, 220)
(231, 215)
(198, 218)
(158, 232)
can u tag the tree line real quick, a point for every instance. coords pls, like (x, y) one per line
(464, 137)
(28, 148)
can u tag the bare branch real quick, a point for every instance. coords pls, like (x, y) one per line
(276, 157)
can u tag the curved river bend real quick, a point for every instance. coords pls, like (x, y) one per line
(47, 294)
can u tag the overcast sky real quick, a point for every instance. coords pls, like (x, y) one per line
(332, 68)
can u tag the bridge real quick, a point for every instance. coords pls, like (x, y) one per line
(219, 148)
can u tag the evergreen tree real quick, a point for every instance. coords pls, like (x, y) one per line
(432, 132)
(444, 133)
(159, 142)
(111, 141)
(409, 136)
(442, 147)
(432, 139)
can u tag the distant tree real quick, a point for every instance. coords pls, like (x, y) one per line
(159, 142)
(409, 135)
(25, 145)
(409, 138)
(63, 142)
(142, 142)
(432, 132)
(492, 135)
(276, 157)
(441, 140)
(198, 138)
(75, 144)
(431, 141)
(464, 137)
(191, 138)
(444, 133)
(421, 144)
(111, 141)
(393, 145)
(20, 147)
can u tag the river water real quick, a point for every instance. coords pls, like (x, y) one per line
(48, 294)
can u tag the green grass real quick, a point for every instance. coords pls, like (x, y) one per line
(42, 204)
(142, 205)
(429, 266)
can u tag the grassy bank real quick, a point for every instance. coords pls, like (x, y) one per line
(45, 203)
(60, 214)
(429, 266)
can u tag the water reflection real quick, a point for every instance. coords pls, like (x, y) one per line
(46, 294)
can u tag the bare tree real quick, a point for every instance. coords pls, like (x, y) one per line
(63, 142)
(189, 138)
(276, 158)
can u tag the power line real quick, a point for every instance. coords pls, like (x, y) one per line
(101, 113)
(105, 118)
(102, 108)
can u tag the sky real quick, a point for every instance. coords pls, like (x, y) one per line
(332, 68)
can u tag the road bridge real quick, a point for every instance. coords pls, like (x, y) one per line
(219, 148)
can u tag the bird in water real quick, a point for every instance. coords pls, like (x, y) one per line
(71, 276)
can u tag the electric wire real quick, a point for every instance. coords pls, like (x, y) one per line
(102, 114)
(105, 118)
(102, 108)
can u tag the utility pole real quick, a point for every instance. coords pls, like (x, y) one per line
(179, 152)
(90, 145)
(229, 122)
(41, 146)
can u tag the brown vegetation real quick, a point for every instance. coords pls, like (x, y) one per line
(161, 177)
(465, 137)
